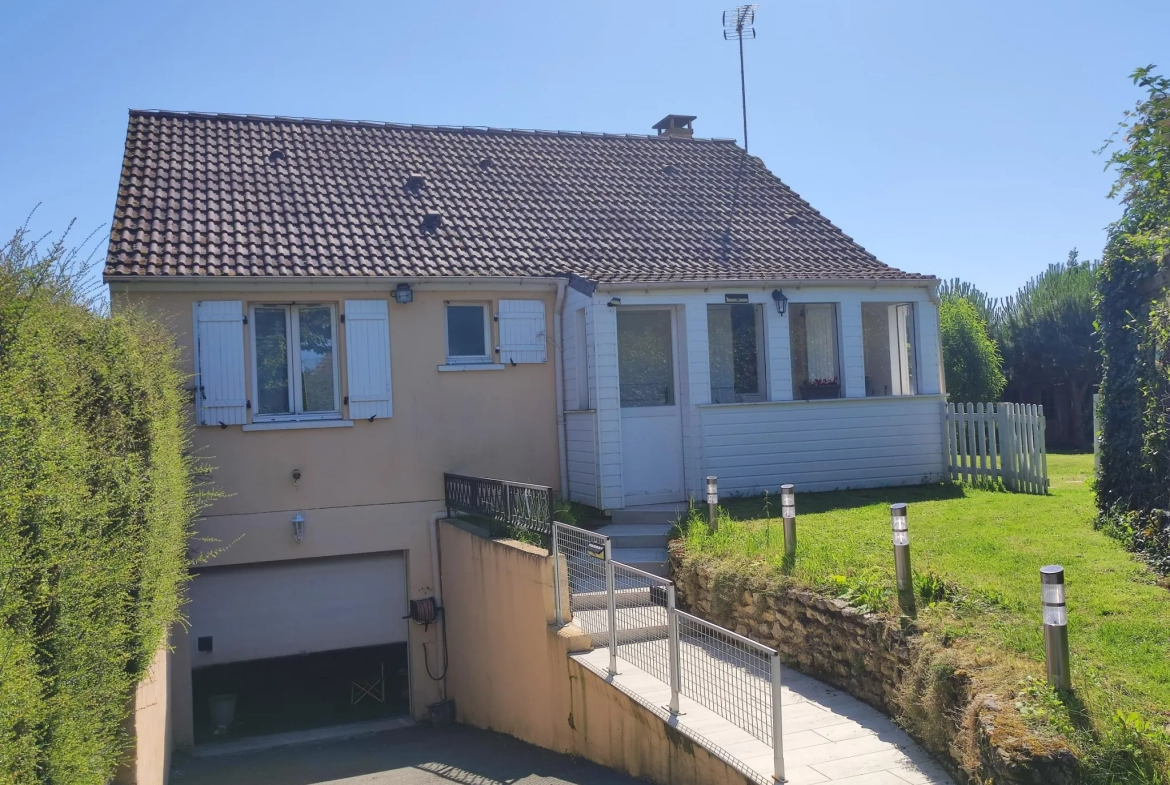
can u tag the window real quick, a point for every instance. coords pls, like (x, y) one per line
(295, 362)
(735, 337)
(467, 333)
(645, 358)
(815, 365)
(890, 363)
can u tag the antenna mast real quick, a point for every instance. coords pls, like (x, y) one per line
(737, 26)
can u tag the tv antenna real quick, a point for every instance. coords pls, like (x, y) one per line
(737, 26)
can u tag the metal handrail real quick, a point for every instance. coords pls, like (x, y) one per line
(768, 728)
(524, 505)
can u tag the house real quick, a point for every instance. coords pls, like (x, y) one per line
(365, 306)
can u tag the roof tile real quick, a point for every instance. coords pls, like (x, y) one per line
(200, 196)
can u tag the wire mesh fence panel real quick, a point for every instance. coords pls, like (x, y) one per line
(581, 572)
(727, 673)
(642, 620)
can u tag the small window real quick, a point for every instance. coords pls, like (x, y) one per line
(735, 337)
(815, 361)
(890, 363)
(294, 362)
(467, 333)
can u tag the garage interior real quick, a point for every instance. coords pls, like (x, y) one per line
(299, 644)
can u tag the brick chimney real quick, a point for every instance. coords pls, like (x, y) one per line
(676, 126)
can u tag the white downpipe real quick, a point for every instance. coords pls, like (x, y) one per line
(558, 369)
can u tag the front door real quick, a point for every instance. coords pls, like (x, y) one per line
(652, 469)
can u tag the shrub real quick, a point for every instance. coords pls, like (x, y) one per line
(96, 502)
(971, 360)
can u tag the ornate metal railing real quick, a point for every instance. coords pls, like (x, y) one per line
(506, 505)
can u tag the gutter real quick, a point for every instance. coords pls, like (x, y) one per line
(915, 283)
(558, 369)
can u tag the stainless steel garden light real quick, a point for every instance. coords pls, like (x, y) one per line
(902, 557)
(788, 511)
(1055, 626)
(712, 502)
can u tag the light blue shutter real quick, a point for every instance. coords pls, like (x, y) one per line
(221, 396)
(367, 356)
(522, 331)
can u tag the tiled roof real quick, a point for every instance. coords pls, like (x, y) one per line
(229, 195)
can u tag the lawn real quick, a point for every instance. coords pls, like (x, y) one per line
(986, 547)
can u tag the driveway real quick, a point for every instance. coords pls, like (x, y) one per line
(411, 756)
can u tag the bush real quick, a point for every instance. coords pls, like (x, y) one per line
(971, 360)
(96, 503)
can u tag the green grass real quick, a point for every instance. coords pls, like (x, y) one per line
(985, 548)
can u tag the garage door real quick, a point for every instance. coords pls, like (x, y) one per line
(295, 607)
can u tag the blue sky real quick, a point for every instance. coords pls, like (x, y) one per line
(952, 138)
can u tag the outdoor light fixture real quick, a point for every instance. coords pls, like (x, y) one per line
(298, 522)
(781, 301)
(403, 294)
(1055, 626)
(902, 557)
(615, 302)
(712, 501)
(788, 511)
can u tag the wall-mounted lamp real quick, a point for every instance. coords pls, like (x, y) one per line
(781, 301)
(615, 302)
(296, 476)
(403, 294)
(298, 522)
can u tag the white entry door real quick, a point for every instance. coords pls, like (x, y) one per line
(652, 470)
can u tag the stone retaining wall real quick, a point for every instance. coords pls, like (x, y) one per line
(870, 656)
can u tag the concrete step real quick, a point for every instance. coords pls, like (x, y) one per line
(637, 535)
(651, 513)
(651, 560)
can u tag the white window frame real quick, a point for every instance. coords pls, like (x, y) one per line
(761, 316)
(293, 326)
(469, 359)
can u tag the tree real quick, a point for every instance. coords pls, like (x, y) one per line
(1049, 343)
(971, 360)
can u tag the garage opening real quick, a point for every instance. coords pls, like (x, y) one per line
(294, 645)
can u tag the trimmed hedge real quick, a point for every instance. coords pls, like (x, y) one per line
(96, 504)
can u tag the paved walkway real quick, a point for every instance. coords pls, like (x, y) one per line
(412, 756)
(829, 736)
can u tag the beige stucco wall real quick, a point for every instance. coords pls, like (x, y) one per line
(150, 727)
(509, 669)
(375, 486)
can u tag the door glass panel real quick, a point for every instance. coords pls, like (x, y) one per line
(645, 358)
(316, 327)
(272, 360)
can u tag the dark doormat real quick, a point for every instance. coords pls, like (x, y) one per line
(302, 692)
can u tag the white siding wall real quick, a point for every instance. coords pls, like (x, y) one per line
(572, 363)
(929, 349)
(852, 348)
(824, 445)
(601, 323)
(697, 381)
(581, 443)
(778, 364)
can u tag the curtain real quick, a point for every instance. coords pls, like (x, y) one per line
(821, 340)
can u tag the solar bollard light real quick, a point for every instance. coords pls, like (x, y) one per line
(788, 511)
(712, 502)
(902, 557)
(1055, 626)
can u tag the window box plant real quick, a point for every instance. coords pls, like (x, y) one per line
(820, 389)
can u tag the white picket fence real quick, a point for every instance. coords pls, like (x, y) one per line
(998, 442)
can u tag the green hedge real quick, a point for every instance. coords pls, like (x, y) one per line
(96, 502)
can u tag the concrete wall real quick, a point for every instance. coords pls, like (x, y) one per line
(509, 669)
(149, 760)
(372, 487)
